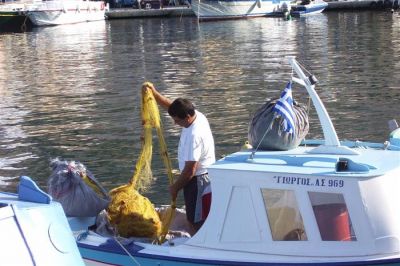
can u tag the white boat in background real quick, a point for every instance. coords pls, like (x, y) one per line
(325, 202)
(308, 7)
(58, 12)
(34, 229)
(233, 9)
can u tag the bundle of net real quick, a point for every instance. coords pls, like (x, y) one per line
(132, 214)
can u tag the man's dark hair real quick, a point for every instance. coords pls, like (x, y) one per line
(181, 108)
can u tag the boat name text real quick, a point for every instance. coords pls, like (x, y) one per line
(306, 181)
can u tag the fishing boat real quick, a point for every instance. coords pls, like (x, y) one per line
(235, 9)
(34, 229)
(308, 7)
(324, 202)
(58, 12)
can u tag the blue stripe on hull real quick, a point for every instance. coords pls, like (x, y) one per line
(119, 257)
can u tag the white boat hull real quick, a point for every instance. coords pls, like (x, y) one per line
(98, 251)
(310, 9)
(66, 12)
(34, 229)
(211, 9)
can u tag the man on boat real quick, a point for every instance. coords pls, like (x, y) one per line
(195, 153)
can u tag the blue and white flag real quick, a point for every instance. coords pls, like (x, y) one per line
(284, 107)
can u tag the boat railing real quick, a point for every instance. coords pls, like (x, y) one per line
(355, 144)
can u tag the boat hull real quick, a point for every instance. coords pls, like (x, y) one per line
(34, 229)
(69, 12)
(304, 10)
(98, 250)
(14, 21)
(96, 257)
(229, 9)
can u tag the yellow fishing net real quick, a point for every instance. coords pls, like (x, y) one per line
(131, 213)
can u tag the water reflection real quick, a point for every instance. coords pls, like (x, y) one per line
(11, 117)
(74, 91)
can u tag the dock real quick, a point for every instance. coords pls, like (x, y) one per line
(362, 5)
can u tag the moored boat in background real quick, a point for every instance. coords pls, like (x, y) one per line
(58, 12)
(235, 9)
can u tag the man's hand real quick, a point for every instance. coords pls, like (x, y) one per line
(147, 86)
(161, 100)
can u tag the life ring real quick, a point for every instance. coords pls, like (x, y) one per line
(102, 6)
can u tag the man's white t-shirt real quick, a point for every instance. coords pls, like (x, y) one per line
(197, 144)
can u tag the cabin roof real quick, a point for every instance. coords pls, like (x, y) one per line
(369, 162)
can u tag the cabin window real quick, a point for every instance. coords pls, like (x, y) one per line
(332, 217)
(283, 214)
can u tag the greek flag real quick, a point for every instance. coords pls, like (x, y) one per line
(284, 108)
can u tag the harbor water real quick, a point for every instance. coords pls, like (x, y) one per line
(73, 91)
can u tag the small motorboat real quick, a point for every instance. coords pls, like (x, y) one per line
(308, 7)
(34, 229)
(324, 202)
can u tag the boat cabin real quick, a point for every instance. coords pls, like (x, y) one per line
(296, 203)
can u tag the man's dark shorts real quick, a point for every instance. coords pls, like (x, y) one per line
(193, 193)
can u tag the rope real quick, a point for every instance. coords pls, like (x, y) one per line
(259, 143)
(308, 115)
(23, 26)
(303, 68)
(85, 234)
(309, 98)
(126, 251)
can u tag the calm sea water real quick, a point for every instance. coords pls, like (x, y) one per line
(74, 91)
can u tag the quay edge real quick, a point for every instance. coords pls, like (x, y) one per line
(362, 5)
